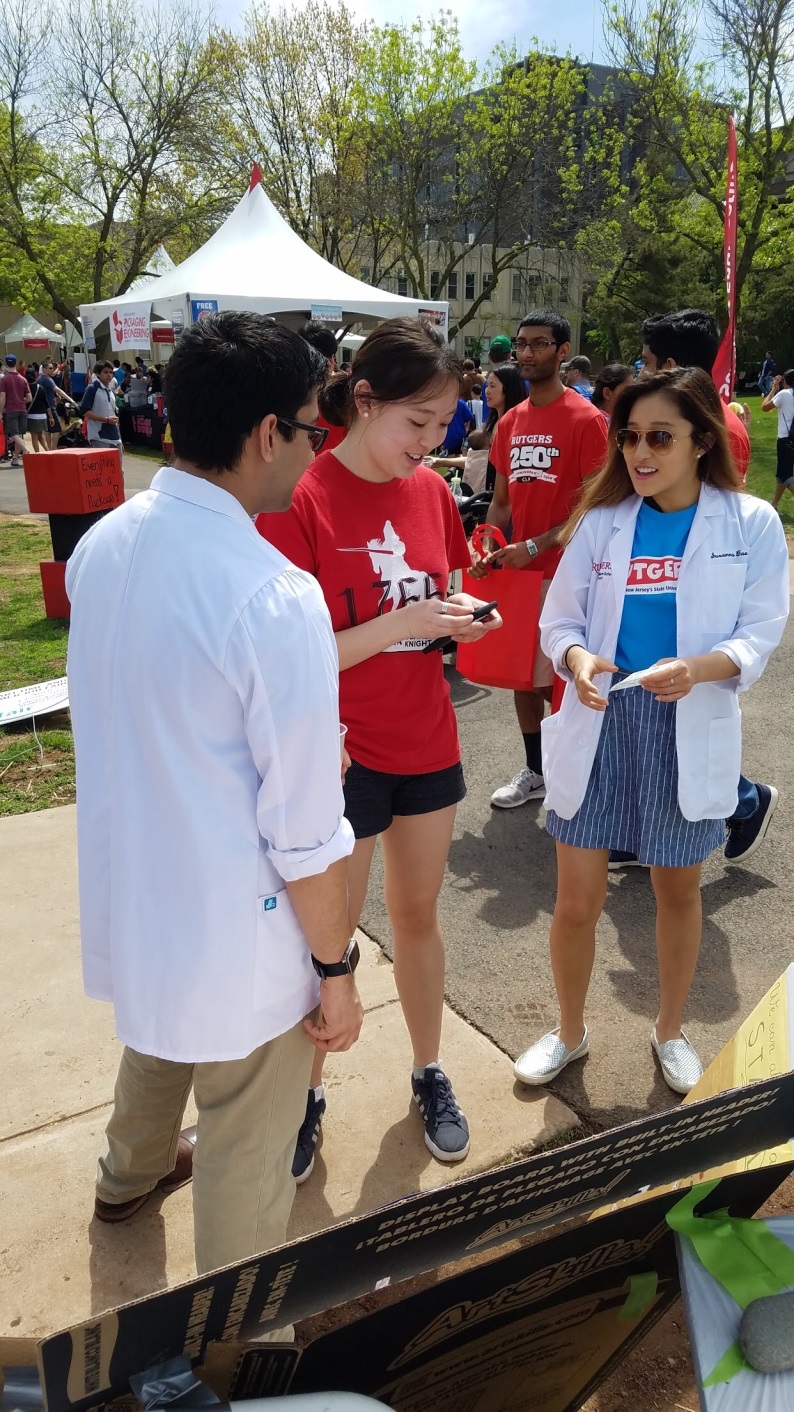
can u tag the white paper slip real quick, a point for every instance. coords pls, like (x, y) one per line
(635, 679)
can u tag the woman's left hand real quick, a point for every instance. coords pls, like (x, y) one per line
(474, 631)
(670, 679)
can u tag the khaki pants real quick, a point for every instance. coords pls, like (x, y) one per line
(249, 1114)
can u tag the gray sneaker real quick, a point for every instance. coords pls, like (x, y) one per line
(680, 1065)
(546, 1059)
(525, 786)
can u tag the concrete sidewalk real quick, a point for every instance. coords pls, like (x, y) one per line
(59, 1052)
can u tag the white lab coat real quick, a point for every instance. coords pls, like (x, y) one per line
(733, 597)
(203, 682)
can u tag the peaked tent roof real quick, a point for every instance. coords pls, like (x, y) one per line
(256, 261)
(158, 264)
(28, 327)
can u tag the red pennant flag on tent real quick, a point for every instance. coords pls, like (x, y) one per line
(724, 371)
(256, 177)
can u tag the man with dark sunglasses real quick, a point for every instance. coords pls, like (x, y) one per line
(203, 683)
(542, 451)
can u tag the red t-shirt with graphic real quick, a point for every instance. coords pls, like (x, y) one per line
(374, 548)
(545, 454)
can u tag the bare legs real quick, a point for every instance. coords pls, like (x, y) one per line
(415, 851)
(581, 892)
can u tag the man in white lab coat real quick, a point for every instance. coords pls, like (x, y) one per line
(213, 850)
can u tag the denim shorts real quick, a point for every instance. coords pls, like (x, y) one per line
(372, 798)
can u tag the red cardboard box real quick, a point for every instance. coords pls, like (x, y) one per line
(73, 481)
(53, 583)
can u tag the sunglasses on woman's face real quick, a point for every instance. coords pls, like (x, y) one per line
(662, 441)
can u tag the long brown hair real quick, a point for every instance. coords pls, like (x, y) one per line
(697, 400)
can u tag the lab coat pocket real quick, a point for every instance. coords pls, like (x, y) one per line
(282, 963)
(721, 600)
(725, 758)
(550, 736)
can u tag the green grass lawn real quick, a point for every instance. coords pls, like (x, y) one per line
(33, 648)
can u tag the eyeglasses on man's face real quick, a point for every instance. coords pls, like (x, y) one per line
(317, 435)
(536, 345)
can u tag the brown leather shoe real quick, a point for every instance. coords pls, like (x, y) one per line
(182, 1173)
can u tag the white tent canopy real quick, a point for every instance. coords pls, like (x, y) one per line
(159, 263)
(256, 261)
(28, 327)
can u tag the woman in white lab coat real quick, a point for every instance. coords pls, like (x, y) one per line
(672, 572)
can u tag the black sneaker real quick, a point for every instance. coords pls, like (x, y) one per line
(747, 835)
(618, 860)
(303, 1161)
(446, 1129)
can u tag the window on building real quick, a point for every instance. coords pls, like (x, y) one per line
(382, 278)
(435, 283)
(366, 273)
(470, 286)
(470, 346)
(452, 286)
(487, 284)
(402, 285)
(564, 290)
(516, 294)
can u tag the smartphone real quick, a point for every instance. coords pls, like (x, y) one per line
(440, 643)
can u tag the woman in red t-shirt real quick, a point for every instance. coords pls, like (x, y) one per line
(382, 534)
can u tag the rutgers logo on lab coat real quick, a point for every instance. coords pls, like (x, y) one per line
(653, 575)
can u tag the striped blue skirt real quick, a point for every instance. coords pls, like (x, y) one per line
(631, 802)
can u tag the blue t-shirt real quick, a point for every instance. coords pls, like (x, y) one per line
(49, 389)
(648, 626)
(457, 428)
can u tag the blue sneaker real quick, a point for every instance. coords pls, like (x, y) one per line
(446, 1129)
(303, 1161)
(747, 835)
(618, 860)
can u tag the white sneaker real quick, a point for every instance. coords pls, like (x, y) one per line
(526, 785)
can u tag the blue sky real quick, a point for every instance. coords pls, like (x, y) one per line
(574, 25)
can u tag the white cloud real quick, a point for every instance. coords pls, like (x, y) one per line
(483, 23)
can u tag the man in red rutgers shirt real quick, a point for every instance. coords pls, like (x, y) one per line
(542, 451)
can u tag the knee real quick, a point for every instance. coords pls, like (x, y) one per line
(413, 916)
(671, 890)
(578, 909)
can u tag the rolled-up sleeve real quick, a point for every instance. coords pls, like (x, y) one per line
(281, 656)
(765, 601)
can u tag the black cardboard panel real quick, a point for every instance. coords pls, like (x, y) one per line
(87, 1365)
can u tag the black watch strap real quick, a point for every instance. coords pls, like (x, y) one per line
(328, 970)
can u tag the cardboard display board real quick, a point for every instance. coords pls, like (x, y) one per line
(539, 1328)
(91, 1363)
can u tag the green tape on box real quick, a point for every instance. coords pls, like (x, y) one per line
(641, 1294)
(743, 1256)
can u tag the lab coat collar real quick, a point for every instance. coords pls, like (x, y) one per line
(711, 502)
(170, 480)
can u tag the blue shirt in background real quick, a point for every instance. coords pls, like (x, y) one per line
(459, 425)
(648, 628)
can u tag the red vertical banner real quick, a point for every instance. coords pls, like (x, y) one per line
(724, 371)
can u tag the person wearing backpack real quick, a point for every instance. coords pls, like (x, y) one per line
(99, 408)
(780, 399)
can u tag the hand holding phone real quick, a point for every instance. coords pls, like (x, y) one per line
(440, 643)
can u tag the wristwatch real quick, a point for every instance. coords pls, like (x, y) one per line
(531, 547)
(328, 970)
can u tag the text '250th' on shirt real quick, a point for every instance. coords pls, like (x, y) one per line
(545, 453)
(375, 548)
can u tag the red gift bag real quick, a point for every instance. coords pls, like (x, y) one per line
(505, 657)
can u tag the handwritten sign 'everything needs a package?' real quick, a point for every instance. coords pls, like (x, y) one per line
(27, 701)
